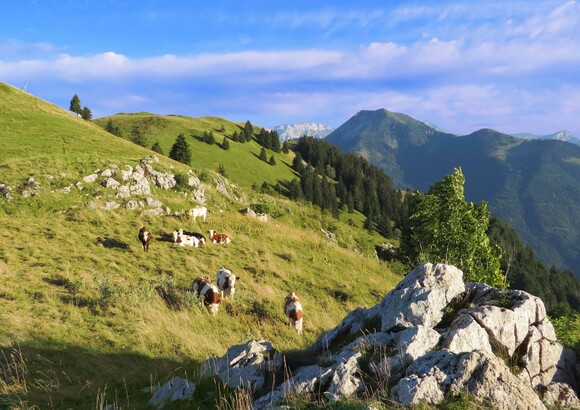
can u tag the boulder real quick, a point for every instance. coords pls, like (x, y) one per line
(480, 373)
(248, 365)
(248, 212)
(419, 299)
(175, 389)
(90, 178)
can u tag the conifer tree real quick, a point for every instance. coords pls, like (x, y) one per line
(272, 160)
(86, 114)
(157, 148)
(180, 150)
(295, 190)
(226, 144)
(75, 105)
(263, 156)
(285, 147)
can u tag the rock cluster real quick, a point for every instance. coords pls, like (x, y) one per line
(433, 336)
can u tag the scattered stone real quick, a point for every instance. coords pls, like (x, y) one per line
(107, 173)
(132, 205)
(90, 178)
(111, 205)
(386, 251)
(248, 212)
(91, 205)
(176, 389)
(111, 183)
(262, 217)
(329, 235)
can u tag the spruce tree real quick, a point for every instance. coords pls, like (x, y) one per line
(86, 114)
(226, 144)
(272, 160)
(75, 105)
(157, 148)
(180, 150)
(285, 147)
(263, 156)
(248, 131)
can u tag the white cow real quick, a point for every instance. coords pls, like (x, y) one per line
(226, 282)
(198, 211)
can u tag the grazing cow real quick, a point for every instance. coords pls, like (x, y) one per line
(144, 238)
(293, 310)
(208, 293)
(226, 282)
(198, 211)
(220, 238)
(184, 240)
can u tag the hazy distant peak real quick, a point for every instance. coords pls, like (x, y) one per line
(293, 131)
(562, 135)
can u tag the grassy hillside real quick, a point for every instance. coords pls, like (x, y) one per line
(90, 319)
(240, 161)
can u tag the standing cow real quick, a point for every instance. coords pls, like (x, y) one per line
(145, 238)
(208, 293)
(198, 211)
(226, 282)
(293, 309)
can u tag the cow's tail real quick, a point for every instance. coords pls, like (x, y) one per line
(213, 309)
(298, 326)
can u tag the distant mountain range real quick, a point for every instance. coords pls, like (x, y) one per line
(560, 136)
(533, 185)
(294, 131)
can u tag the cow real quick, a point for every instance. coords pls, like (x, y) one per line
(200, 238)
(144, 237)
(198, 211)
(208, 293)
(184, 240)
(220, 238)
(226, 282)
(293, 309)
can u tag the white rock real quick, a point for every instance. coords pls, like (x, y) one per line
(419, 299)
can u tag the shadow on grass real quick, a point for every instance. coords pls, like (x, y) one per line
(112, 243)
(65, 376)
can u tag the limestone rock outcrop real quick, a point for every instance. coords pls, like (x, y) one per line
(433, 336)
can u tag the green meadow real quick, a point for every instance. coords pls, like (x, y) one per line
(90, 319)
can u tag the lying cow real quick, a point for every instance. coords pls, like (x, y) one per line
(226, 282)
(208, 293)
(185, 240)
(144, 237)
(219, 238)
(293, 309)
(197, 212)
(200, 238)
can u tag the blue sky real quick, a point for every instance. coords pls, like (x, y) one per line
(464, 65)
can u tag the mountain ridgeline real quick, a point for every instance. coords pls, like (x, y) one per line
(533, 185)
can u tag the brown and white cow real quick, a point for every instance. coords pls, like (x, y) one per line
(185, 240)
(226, 282)
(208, 293)
(197, 212)
(219, 238)
(145, 238)
(293, 309)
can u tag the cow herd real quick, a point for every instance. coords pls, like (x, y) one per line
(207, 293)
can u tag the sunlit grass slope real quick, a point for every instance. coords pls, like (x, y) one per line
(241, 161)
(88, 318)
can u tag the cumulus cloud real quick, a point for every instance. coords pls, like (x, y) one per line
(503, 66)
